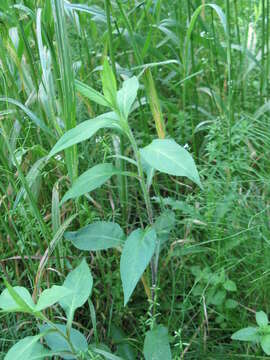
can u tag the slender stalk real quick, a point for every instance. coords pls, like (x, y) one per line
(267, 46)
(148, 78)
(67, 87)
(236, 15)
(123, 179)
(262, 80)
(194, 143)
(229, 76)
(154, 260)
(43, 227)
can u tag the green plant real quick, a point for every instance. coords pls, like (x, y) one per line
(143, 245)
(62, 339)
(217, 289)
(256, 334)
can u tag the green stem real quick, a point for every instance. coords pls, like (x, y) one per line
(154, 260)
(123, 180)
(229, 69)
(263, 52)
(42, 317)
(43, 227)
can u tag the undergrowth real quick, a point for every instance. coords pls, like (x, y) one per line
(203, 80)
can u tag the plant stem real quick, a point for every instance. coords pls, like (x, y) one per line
(154, 260)
(263, 53)
(229, 77)
(123, 180)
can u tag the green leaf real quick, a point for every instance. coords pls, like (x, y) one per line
(51, 296)
(28, 349)
(38, 122)
(230, 285)
(218, 298)
(100, 235)
(91, 93)
(261, 318)
(246, 334)
(167, 156)
(137, 253)
(127, 95)
(105, 354)
(156, 344)
(265, 343)
(80, 283)
(109, 85)
(164, 224)
(16, 299)
(85, 131)
(231, 304)
(56, 342)
(120, 339)
(90, 180)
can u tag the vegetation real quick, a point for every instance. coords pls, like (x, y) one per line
(134, 185)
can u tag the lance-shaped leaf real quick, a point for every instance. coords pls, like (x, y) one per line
(127, 95)
(167, 156)
(109, 85)
(80, 283)
(51, 296)
(57, 343)
(156, 344)
(90, 180)
(265, 343)
(91, 93)
(261, 318)
(16, 299)
(28, 348)
(86, 130)
(100, 235)
(247, 334)
(137, 253)
(38, 122)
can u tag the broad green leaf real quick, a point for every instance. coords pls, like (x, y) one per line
(90, 180)
(120, 339)
(265, 343)
(218, 298)
(230, 285)
(80, 283)
(105, 354)
(137, 253)
(51, 296)
(167, 156)
(246, 334)
(127, 95)
(28, 349)
(261, 318)
(231, 304)
(156, 344)
(100, 235)
(85, 130)
(56, 342)
(91, 93)
(164, 224)
(16, 299)
(109, 85)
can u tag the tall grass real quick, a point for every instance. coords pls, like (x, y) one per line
(204, 75)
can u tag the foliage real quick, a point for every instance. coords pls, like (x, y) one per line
(134, 135)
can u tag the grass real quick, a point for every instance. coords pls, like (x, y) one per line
(204, 75)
